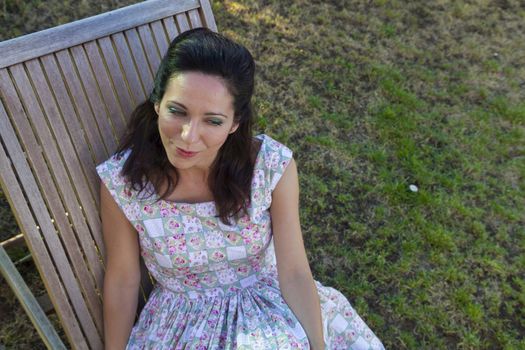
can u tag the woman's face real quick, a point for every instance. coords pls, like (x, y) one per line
(195, 116)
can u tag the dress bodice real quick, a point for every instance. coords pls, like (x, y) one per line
(186, 247)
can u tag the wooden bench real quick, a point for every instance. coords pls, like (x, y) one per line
(66, 94)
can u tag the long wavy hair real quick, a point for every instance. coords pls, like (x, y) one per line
(197, 50)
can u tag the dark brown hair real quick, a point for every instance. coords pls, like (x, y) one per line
(197, 50)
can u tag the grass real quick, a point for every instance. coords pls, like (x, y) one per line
(375, 97)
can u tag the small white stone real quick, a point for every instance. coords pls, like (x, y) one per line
(495, 54)
(413, 188)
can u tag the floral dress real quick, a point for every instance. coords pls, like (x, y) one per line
(217, 285)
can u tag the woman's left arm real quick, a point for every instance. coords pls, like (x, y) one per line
(295, 278)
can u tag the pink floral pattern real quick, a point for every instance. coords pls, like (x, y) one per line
(217, 285)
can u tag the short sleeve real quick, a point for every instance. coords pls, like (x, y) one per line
(276, 158)
(110, 173)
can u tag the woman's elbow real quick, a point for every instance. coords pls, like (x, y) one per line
(123, 278)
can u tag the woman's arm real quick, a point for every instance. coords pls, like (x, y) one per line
(295, 278)
(122, 277)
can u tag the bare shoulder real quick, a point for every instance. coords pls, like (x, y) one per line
(288, 183)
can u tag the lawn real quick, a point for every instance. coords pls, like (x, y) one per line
(373, 97)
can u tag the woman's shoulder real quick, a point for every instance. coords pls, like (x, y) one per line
(116, 160)
(269, 145)
(273, 158)
(110, 172)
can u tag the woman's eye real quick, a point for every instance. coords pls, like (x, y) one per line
(216, 122)
(176, 111)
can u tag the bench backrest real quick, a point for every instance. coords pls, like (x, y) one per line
(65, 95)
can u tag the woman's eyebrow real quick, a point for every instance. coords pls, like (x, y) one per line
(207, 113)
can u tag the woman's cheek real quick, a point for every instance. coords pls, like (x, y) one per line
(168, 127)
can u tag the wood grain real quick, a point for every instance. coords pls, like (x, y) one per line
(47, 151)
(76, 33)
(44, 229)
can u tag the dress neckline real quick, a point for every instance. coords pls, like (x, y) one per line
(261, 137)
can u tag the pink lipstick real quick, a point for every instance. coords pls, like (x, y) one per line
(185, 154)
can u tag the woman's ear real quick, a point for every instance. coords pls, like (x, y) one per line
(156, 106)
(234, 128)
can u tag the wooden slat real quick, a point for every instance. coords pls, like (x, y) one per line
(83, 110)
(29, 303)
(51, 152)
(152, 52)
(116, 116)
(49, 190)
(93, 95)
(16, 241)
(26, 222)
(171, 28)
(74, 127)
(195, 18)
(145, 72)
(160, 37)
(182, 21)
(64, 180)
(119, 81)
(207, 14)
(131, 74)
(76, 33)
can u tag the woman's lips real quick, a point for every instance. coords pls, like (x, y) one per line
(185, 154)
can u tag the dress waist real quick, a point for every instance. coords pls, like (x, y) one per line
(257, 280)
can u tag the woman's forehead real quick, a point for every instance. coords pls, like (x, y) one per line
(193, 87)
(197, 80)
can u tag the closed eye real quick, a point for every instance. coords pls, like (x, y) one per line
(215, 122)
(176, 111)
(181, 113)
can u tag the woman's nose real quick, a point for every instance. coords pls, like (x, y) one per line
(190, 132)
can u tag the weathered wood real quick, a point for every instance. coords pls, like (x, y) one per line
(76, 33)
(132, 75)
(171, 28)
(66, 181)
(16, 241)
(94, 97)
(119, 81)
(195, 18)
(116, 117)
(82, 107)
(48, 188)
(160, 37)
(29, 303)
(182, 21)
(151, 50)
(207, 14)
(28, 224)
(146, 75)
(74, 128)
(87, 185)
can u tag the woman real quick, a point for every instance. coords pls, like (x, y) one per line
(214, 213)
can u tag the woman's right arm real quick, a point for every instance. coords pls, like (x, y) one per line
(122, 276)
